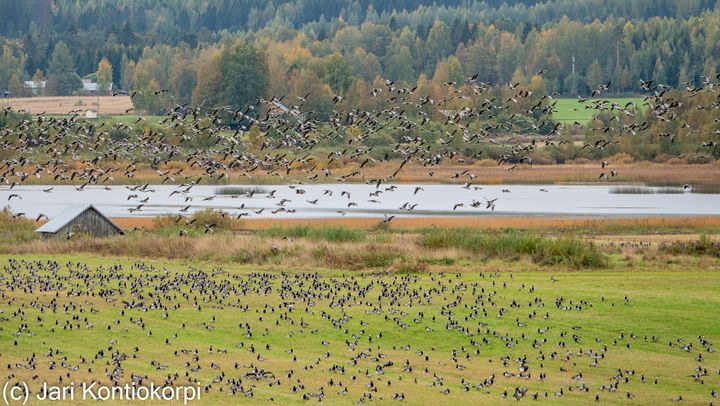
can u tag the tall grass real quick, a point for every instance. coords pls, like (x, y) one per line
(646, 190)
(373, 256)
(702, 246)
(196, 223)
(331, 233)
(511, 244)
(16, 229)
(241, 190)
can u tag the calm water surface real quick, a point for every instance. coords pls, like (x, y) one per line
(433, 200)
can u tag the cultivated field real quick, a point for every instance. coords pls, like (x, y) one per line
(61, 105)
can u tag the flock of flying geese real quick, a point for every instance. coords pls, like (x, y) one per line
(213, 140)
(288, 337)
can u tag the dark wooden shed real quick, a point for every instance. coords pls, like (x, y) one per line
(80, 220)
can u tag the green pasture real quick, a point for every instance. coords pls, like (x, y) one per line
(569, 111)
(349, 335)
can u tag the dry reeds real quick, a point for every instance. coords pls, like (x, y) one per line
(555, 224)
(701, 176)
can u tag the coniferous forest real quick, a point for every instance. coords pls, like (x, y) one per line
(231, 53)
(347, 45)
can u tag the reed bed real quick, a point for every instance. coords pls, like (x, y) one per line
(704, 177)
(200, 222)
(576, 224)
(647, 190)
(241, 190)
(16, 229)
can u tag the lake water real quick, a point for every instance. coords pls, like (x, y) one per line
(433, 200)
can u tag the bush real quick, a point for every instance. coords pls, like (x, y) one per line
(621, 158)
(119, 134)
(571, 252)
(542, 157)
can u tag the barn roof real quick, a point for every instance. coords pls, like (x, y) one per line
(68, 215)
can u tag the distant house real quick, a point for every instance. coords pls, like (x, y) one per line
(35, 88)
(83, 219)
(91, 114)
(91, 88)
(282, 111)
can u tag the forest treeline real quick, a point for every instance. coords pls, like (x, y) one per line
(440, 59)
(343, 47)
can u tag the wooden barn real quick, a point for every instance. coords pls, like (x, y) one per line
(80, 220)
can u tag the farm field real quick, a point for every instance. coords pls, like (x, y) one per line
(133, 120)
(569, 111)
(470, 334)
(61, 105)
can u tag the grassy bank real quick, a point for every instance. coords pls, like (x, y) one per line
(308, 247)
(579, 225)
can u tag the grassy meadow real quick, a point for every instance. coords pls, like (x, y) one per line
(432, 337)
(568, 111)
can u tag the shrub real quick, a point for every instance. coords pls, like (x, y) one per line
(571, 252)
(621, 158)
(542, 157)
(119, 134)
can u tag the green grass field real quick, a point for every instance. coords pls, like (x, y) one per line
(132, 119)
(569, 111)
(433, 337)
